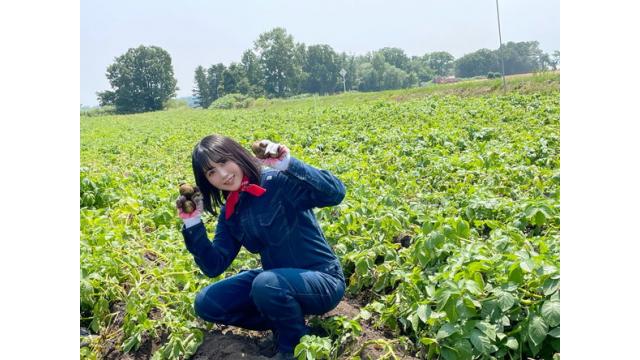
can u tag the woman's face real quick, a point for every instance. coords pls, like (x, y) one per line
(225, 176)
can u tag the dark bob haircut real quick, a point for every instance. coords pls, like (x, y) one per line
(220, 149)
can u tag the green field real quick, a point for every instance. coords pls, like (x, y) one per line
(449, 231)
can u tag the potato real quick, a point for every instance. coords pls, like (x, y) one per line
(189, 207)
(259, 149)
(180, 201)
(186, 190)
(188, 196)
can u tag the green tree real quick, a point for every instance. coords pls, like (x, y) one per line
(299, 76)
(215, 77)
(441, 62)
(477, 63)
(555, 60)
(393, 78)
(367, 77)
(395, 57)
(201, 91)
(235, 79)
(521, 57)
(142, 80)
(276, 52)
(321, 69)
(421, 69)
(251, 67)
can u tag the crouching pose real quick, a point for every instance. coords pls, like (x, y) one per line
(269, 212)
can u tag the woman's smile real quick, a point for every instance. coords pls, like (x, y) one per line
(225, 176)
(229, 180)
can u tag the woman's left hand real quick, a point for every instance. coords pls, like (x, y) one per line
(277, 155)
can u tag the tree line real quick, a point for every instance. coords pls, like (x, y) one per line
(277, 66)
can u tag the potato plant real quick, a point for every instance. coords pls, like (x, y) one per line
(450, 227)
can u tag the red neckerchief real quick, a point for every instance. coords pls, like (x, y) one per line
(232, 199)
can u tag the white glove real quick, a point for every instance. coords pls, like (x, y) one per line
(193, 218)
(278, 156)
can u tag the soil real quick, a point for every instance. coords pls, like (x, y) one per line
(228, 346)
(230, 343)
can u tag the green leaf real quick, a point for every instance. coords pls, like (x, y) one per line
(472, 287)
(442, 298)
(555, 332)
(550, 312)
(537, 330)
(423, 313)
(445, 331)
(488, 329)
(448, 231)
(362, 266)
(535, 349)
(480, 341)
(450, 308)
(427, 227)
(448, 354)
(527, 265)
(364, 314)
(512, 343)
(477, 277)
(428, 341)
(505, 300)
(463, 229)
(550, 286)
(464, 349)
(131, 342)
(415, 321)
(515, 275)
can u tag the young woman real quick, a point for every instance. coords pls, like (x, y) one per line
(269, 212)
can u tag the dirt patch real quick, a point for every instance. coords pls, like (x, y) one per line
(372, 343)
(228, 342)
(228, 346)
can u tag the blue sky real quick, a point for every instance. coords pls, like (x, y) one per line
(208, 32)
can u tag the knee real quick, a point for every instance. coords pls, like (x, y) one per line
(265, 286)
(204, 307)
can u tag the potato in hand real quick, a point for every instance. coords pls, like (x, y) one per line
(259, 149)
(187, 199)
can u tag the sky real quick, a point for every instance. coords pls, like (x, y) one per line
(209, 32)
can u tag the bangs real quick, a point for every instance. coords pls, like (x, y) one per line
(204, 158)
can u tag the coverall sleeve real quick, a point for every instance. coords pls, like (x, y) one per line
(213, 258)
(308, 187)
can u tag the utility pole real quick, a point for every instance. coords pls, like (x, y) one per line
(504, 81)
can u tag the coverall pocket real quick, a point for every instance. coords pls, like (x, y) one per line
(274, 229)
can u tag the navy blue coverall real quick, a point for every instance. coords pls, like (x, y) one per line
(300, 273)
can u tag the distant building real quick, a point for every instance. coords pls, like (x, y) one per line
(445, 79)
